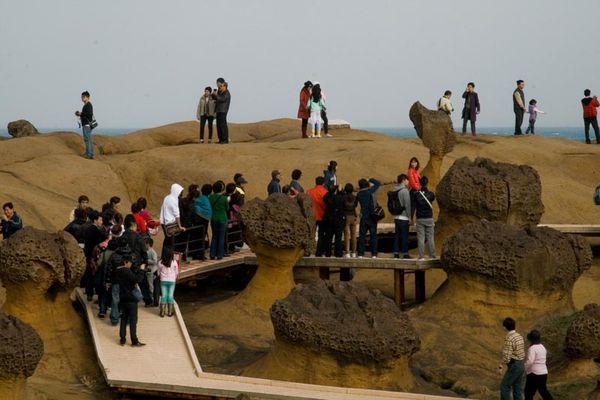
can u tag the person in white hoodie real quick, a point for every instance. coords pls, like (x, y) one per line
(169, 212)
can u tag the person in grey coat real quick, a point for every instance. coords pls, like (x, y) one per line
(425, 224)
(206, 113)
(223, 98)
(402, 221)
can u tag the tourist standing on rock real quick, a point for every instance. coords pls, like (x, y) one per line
(519, 106)
(128, 281)
(425, 224)
(334, 220)
(351, 225)
(471, 107)
(536, 372)
(206, 112)
(218, 223)
(590, 115)
(87, 117)
(513, 354)
(303, 110)
(329, 175)
(295, 182)
(83, 202)
(223, 98)
(275, 185)
(402, 220)
(366, 198)
(323, 110)
(317, 193)
(11, 221)
(444, 104)
(315, 105)
(533, 113)
(168, 271)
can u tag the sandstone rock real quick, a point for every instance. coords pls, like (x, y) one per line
(583, 336)
(435, 129)
(21, 128)
(542, 260)
(483, 189)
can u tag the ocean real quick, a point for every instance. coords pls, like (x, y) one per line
(572, 133)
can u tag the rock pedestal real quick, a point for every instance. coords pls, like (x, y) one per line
(21, 128)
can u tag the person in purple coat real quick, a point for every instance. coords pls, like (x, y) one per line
(471, 108)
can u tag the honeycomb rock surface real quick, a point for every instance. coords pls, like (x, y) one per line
(21, 348)
(21, 128)
(434, 128)
(539, 259)
(583, 336)
(347, 320)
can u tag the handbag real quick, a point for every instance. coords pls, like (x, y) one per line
(378, 213)
(137, 294)
(93, 123)
(172, 229)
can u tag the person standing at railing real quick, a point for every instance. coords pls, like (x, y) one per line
(203, 211)
(168, 270)
(218, 222)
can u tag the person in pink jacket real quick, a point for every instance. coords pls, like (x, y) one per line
(536, 371)
(414, 183)
(168, 270)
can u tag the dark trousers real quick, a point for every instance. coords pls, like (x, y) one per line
(217, 243)
(531, 127)
(401, 236)
(203, 121)
(129, 315)
(304, 127)
(321, 231)
(367, 224)
(222, 129)
(594, 122)
(512, 382)
(334, 229)
(518, 121)
(536, 383)
(464, 128)
(325, 121)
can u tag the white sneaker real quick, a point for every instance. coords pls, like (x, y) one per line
(374, 257)
(360, 257)
(328, 135)
(353, 255)
(347, 255)
(421, 259)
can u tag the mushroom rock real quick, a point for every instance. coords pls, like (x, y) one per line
(21, 128)
(483, 189)
(435, 129)
(583, 336)
(279, 230)
(21, 349)
(339, 333)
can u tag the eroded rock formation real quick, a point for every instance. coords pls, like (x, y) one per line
(483, 189)
(435, 129)
(583, 336)
(279, 230)
(340, 333)
(21, 128)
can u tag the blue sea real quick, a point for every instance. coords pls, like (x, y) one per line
(573, 133)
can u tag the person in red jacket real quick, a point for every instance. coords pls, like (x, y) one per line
(414, 182)
(590, 115)
(317, 194)
(303, 111)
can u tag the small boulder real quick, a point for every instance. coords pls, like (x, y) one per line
(21, 128)
(583, 336)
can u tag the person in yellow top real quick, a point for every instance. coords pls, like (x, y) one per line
(513, 356)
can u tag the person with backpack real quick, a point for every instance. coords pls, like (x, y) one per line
(366, 198)
(425, 224)
(400, 208)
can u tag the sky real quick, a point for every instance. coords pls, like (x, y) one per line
(146, 62)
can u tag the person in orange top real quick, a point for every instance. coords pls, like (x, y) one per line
(317, 194)
(139, 220)
(414, 182)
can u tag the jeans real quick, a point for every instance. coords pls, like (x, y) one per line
(203, 120)
(401, 236)
(167, 289)
(217, 242)
(129, 316)
(513, 379)
(531, 127)
(594, 122)
(367, 224)
(536, 383)
(150, 270)
(87, 139)
(518, 121)
(114, 305)
(425, 234)
(222, 129)
(464, 128)
(321, 231)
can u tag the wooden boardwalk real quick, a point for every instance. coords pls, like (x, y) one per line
(583, 230)
(168, 367)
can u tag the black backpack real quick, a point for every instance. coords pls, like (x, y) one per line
(597, 196)
(393, 203)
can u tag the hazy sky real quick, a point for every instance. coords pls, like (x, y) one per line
(147, 62)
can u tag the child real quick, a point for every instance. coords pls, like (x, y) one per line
(533, 112)
(168, 271)
(151, 269)
(315, 105)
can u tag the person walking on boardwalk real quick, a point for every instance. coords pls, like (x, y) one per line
(536, 372)
(425, 224)
(471, 107)
(533, 113)
(223, 98)
(206, 112)
(590, 115)
(128, 282)
(519, 106)
(513, 354)
(87, 118)
(168, 271)
(303, 110)
(366, 198)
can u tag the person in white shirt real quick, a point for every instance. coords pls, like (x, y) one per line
(444, 103)
(535, 368)
(169, 212)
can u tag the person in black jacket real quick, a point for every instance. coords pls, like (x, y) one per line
(11, 221)
(94, 235)
(137, 244)
(275, 185)
(128, 279)
(334, 220)
(78, 226)
(87, 116)
(223, 98)
(425, 224)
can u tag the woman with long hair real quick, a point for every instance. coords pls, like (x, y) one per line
(168, 270)
(303, 110)
(315, 105)
(535, 368)
(414, 183)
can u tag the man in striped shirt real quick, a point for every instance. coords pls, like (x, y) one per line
(513, 356)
